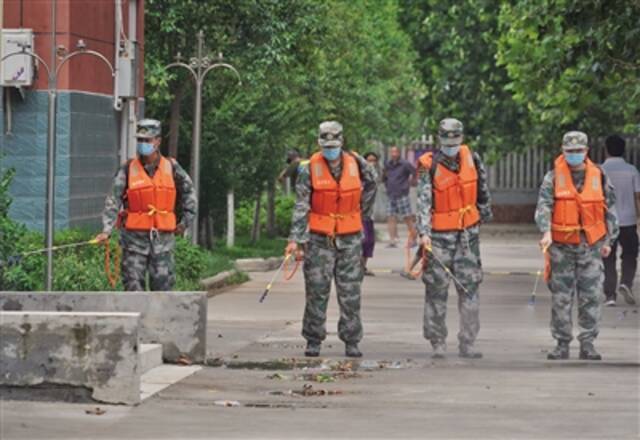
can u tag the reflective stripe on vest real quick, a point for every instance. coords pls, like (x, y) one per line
(335, 207)
(455, 195)
(151, 201)
(575, 212)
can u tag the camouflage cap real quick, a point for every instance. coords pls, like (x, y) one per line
(450, 132)
(148, 129)
(330, 134)
(575, 139)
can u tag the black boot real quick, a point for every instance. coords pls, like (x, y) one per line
(313, 349)
(352, 350)
(560, 352)
(467, 351)
(588, 352)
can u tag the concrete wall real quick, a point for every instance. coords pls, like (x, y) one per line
(98, 351)
(177, 320)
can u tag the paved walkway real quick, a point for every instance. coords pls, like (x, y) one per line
(396, 391)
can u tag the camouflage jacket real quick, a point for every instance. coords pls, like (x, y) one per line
(144, 242)
(425, 195)
(300, 221)
(544, 210)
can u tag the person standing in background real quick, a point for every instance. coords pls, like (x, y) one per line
(368, 229)
(626, 182)
(398, 175)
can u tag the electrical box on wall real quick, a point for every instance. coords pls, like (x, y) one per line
(17, 70)
(127, 68)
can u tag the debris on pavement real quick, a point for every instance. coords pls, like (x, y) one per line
(277, 376)
(97, 411)
(227, 403)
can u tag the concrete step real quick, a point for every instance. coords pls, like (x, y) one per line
(159, 378)
(149, 357)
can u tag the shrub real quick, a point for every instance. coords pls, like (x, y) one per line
(283, 212)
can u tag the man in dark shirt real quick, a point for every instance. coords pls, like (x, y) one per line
(398, 176)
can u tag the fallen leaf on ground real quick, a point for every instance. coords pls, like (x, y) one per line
(184, 360)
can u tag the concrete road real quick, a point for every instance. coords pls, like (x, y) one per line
(396, 391)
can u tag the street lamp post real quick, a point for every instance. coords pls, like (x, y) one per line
(52, 76)
(199, 66)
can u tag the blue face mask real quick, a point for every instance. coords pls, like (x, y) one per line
(331, 153)
(450, 151)
(574, 159)
(145, 148)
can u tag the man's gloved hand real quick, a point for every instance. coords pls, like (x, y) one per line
(295, 249)
(102, 237)
(546, 241)
(426, 242)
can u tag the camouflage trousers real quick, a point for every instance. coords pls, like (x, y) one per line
(460, 252)
(576, 271)
(323, 262)
(160, 267)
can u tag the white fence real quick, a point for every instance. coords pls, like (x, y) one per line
(525, 170)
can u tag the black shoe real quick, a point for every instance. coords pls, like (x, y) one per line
(351, 350)
(466, 351)
(439, 350)
(313, 349)
(588, 352)
(560, 352)
(369, 273)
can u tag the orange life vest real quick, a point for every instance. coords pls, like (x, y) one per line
(575, 212)
(335, 206)
(455, 195)
(151, 202)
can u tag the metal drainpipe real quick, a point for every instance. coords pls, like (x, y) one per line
(133, 17)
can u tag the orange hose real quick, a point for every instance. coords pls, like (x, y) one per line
(423, 263)
(112, 275)
(288, 275)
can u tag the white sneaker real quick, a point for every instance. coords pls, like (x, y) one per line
(627, 294)
(610, 303)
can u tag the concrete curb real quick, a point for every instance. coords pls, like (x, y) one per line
(177, 320)
(94, 351)
(217, 281)
(258, 264)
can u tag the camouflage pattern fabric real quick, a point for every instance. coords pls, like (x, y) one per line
(460, 252)
(153, 246)
(328, 258)
(323, 260)
(160, 268)
(576, 269)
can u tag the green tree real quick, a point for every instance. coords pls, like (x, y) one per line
(457, 45)
(574, 64)
(301, 61)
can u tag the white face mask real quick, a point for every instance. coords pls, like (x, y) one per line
(450, 151)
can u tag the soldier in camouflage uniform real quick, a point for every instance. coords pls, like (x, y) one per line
(449, 231)
(330, 254)
(575, 247)
(148, 251)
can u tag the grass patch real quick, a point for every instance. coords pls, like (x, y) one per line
(263, 248)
